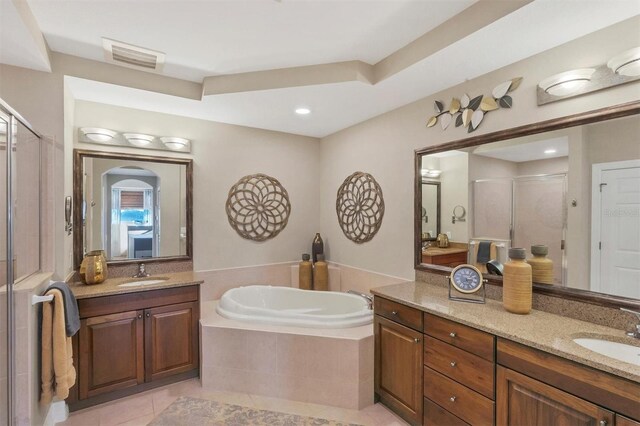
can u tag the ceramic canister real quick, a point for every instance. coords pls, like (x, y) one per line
(517, 287)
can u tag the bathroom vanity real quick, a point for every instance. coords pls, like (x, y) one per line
(440, 362)
(133, 338)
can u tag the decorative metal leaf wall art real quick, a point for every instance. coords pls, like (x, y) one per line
(258, 207)
(360, 207)
(469, 112)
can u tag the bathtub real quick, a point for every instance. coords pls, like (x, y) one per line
(294, 307)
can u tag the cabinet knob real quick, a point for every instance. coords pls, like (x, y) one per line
(416, 340)
(394, 312)
(603, 423)
(452, 334)
(453, 363)
(139, 316)
(147, 315)
(452, 399)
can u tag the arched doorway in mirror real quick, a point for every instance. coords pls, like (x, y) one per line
(131, 214)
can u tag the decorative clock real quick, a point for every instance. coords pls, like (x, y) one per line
(465, 281)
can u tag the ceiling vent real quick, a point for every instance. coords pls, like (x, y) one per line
(132, 56)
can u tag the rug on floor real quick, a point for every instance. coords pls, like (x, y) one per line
(196, 412)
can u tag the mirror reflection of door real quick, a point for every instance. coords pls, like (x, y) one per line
(131, 216)
(615, 242)
(430, 210)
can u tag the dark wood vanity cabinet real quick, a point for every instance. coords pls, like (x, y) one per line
(398, 359)
(128, 343)
(526, 401)
(111, 353)
(470, 377)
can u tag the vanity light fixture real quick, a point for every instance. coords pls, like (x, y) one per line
(303, 111)
(626, 63)
(430, 173)
(174, 143)
(138, 139)
(567, 83)
(550, 151)
(97, 134)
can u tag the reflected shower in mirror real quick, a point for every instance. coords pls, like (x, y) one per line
(575, 191)
(134, 209)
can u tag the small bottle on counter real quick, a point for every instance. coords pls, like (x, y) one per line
(541, 266)
(305, 273)
(321, 274)
(517, 287)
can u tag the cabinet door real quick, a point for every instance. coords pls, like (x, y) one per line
(525, 401)
(111, 356)
(623, 421)
(171, 340)
(398, 360)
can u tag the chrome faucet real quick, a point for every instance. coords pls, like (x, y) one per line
(635, 333)
(142, 273)
(368, 297)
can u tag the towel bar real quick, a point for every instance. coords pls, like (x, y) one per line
(40, 299)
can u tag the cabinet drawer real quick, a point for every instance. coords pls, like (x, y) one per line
(471, 340)
(435, 415)
(464, 403)
(462, 366)
(399, 313)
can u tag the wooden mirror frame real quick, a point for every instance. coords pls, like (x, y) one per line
(78, 233)
(603, 114)
(438, 208)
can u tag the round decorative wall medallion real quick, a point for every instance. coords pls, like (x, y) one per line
(360, 207)
(258, 207)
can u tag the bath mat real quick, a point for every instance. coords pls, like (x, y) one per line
(196, 412)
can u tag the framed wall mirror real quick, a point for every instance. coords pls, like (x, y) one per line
(570, 184)
(135, 208)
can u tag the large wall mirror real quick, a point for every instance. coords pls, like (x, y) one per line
(135, 208)
(572, 185)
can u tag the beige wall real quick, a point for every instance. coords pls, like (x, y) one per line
(548, 166)
(383, 146)
(455, 191)
(222, 154)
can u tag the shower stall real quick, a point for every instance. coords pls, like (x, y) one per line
(20, 256)
(523, 211)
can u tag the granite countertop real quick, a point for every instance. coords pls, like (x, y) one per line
(540, 330)
(111, 285)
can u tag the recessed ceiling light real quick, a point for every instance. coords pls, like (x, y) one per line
(96, 134)
(550, 151)
(174, 143)
(303, 111)
(567, 83)
(138, 139)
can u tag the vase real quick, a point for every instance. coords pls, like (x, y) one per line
(103, 257)
(317, 247)
(321, 274)
(305, 273)
(517, 285)
(92, 269)
(541, 266)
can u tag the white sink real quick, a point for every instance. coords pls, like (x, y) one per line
(144, 281)
(616, 350)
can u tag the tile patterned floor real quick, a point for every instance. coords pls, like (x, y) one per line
(140, 409)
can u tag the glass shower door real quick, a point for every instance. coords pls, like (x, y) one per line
(6, 296)
(539, 216)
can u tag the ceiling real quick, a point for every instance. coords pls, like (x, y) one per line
(209, 38)
(518, 152)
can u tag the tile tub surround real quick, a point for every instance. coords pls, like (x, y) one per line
(608, 317)
(320, 366)
(110, 285)
(540, 330)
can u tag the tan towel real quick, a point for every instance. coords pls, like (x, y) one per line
(58, 373)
